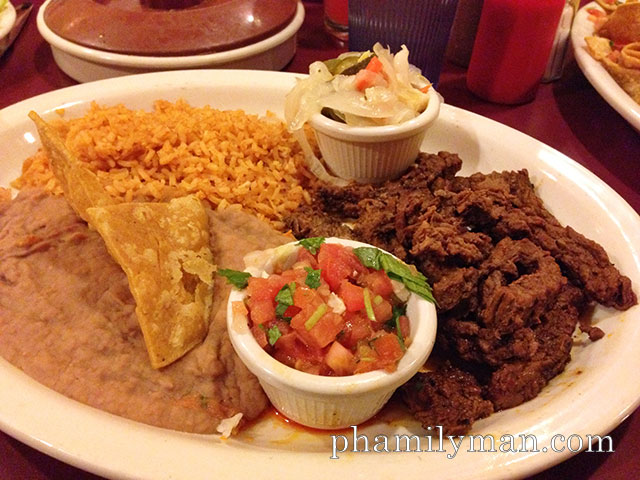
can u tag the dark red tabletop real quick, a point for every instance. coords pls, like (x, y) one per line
(569, 115)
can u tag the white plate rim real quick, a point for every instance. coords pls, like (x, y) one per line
(36, 427)
(597, 75)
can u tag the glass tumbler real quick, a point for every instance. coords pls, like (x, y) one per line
(422, 25)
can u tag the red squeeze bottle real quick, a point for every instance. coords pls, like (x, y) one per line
(512, 47)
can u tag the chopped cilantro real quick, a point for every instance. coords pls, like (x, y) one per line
(238, 279)
(369, 256)
(313, 277)
(312, 244)
(284, 300)
(415, 282)
(273, 334)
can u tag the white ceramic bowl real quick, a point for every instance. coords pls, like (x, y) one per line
(87, 64)
(7, 20)
(329, 402)
(373, 154)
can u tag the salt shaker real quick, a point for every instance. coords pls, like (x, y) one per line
(558, 56)
(511, 48)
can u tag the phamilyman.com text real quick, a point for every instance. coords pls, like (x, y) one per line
(436, 441)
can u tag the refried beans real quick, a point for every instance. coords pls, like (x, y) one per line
(67, 319)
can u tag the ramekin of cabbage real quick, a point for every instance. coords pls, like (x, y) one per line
(369, 112)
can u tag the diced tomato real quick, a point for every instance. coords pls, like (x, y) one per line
(291, 311)
(324, 331)
(260, 335)
(366, 358)
(382, 310)
(340, 359)
(309, 367)
(297, 275)
(308, 301)
(304, 295)
(287, 342)
(389, 350)
(261, 311)
(379, 283)
(284, 327)
(305, 255)
(405, 327)
(352, 296)
(338, 263)
(290, 348)
(265, 288)
(357, 327)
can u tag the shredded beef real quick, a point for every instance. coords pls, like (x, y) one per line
(511, 282)
(447, 397)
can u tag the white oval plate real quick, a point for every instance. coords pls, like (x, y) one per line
(602, 377)
(597, 75)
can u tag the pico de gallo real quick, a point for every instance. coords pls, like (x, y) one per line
(336, 310)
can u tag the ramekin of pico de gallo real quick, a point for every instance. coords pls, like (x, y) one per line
(330, 327)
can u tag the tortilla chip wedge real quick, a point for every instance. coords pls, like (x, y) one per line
(81, 186)
(162, 247)
(623, 24)
(164, 250)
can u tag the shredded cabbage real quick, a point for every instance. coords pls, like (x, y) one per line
(389, 97)
(392, 97)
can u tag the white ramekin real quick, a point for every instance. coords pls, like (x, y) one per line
(7, 20)
(87, 64)
(373, 154)
(330, 402)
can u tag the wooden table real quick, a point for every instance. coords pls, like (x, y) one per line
(568, 115)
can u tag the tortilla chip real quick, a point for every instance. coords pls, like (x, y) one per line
(623, 24)
(598, 47)
(162, 247)
(81, 186)
(610, 5)
(606, 6)
(627, 78)
(630, 55)
(164, 250)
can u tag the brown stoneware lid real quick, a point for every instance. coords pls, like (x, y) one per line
(167, 27)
